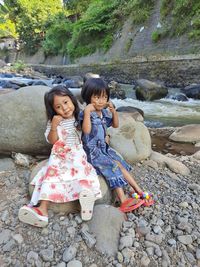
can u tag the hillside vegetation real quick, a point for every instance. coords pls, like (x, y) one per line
(80, 27)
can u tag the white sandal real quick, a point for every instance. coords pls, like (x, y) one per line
(32, 216)
(86, 199)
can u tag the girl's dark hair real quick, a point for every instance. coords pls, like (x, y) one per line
(60, 90)
(94, 86)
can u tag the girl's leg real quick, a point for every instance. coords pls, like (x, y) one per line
(44, 207)
(129, 178)
(120, 193)
(134, 184)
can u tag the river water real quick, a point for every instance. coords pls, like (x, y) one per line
(159, 113)
(163, 112)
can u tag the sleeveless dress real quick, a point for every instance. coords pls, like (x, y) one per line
(102, 157)
(67, 171)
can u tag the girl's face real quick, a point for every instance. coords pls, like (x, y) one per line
(99, 101)
(63, 106)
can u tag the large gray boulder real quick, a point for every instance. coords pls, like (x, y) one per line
(23, 121)
(172, 164)
(188, 133)
(131, 139)
(149, 91)
(106, 225)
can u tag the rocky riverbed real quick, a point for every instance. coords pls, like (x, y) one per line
(166, 234)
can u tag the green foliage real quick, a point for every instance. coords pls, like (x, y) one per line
(96, 27)
(7, 27)
(155, 36)
(94, 30)
(57, 35)
(140, 10)
(31, 19)
(195, 32)
(183, 17)
(82, 27)
(18, 66)
(76, 6)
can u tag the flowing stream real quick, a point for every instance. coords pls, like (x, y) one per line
(159, 113)
(163, 112)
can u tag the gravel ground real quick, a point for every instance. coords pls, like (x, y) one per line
(166, 234)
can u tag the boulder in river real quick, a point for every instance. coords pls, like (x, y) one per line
(148, 91)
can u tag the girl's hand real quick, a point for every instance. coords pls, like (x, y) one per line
(89, 108)
(56, 120)
(111, 107)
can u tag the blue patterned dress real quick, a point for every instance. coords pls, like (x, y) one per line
(100, 154)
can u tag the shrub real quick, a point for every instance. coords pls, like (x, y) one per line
(18, 66)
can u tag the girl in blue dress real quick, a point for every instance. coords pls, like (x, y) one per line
(96, 117)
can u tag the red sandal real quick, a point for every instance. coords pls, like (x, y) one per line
(147, 197)
(129, 205)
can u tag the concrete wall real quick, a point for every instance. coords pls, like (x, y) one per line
(174, 71)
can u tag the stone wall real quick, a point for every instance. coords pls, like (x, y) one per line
(174, 71)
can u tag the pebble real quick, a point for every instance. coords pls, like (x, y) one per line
(74, 263)
(69, 253)
(166, 234)
(185, 239)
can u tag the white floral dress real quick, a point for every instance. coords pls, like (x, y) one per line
(67, 171)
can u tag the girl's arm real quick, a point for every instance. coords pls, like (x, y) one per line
(115, 118)
(53, 134)
(87, 125)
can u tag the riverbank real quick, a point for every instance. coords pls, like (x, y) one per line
(161, 142)
(166, 234)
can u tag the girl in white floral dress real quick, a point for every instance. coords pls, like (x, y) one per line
(67, 176)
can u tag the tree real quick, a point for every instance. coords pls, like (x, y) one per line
(31, 18)
(7, 26)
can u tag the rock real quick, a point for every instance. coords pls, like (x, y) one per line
(47, 254)
(69, 253)
(23, 125)
(73, 82)
(2, 63)
(192, 91)
(148, 91)
(185, 239)
(32, 256)
(145, 261)
(106, 220)
(172, 164)
(74, 263)
(22, 159)
(116, 91)
(72, 206)
(188, 133)
(183, 205)
(88, 238)
(6, 91)
(132, 139)
(198, 253)
(7, 164)
(196, 155)
(179, 97)
(136, 113)
(125, 242)
(89, 75)
(5, 236)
